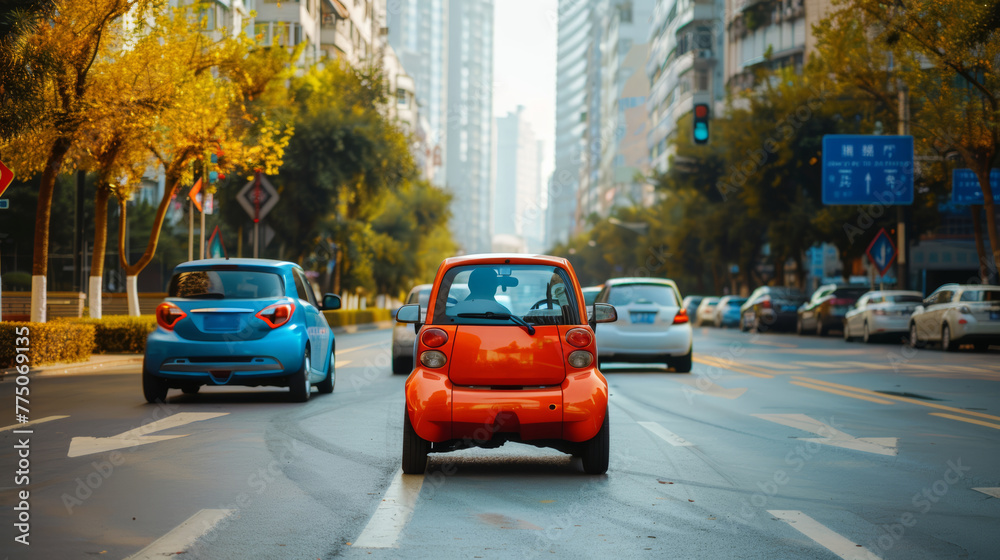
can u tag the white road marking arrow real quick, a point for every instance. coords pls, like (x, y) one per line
(80, 446)
(995, 492)
(833, 436)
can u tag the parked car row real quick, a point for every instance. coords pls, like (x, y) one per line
(953, 315)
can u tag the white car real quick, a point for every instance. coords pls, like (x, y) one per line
(403, 336)
(880, 313)
(705, 314)
(958, 314)
(652, 327)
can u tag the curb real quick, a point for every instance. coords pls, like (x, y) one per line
(72, 367)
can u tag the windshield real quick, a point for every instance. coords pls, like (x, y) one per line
(226, 284)
(981, 295)
(658, 294)
(538, 294)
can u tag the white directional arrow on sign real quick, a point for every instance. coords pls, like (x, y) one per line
(80, 446)
(833, 436)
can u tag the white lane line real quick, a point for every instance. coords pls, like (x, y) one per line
(342, 363)
(824, 537)
(393, 513)
(182, 537)
(995, 492)
(666, 435)
(32, 423)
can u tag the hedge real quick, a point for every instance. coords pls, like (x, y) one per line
(118, 333)
(344, 317)
(53, 342)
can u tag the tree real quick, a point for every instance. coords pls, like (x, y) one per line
(21, 100)
(65, 46)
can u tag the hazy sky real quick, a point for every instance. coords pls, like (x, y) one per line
(524, 66)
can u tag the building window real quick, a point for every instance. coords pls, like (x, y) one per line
(400, 96)
(625, 12)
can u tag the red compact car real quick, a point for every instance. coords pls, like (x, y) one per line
(506, 352)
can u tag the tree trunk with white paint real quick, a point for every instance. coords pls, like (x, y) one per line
(38, 299)
(94, 294)
(132, 292)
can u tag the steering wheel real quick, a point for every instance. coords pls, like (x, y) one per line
(552, 303)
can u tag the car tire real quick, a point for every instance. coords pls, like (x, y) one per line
(298, 382)
(597, 450)
(947, 344)
(914, 337)
(682, 364)
(153, 388)
(402, 365)
(191, 389)
(799, 330)
(415, 448)
(330, 381)
(847, 332)
(757, 326)
(867, 334)
(743, 324)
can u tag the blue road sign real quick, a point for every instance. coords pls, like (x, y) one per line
(965, 187)
(867, 169)
(882, 251)
(4, 204)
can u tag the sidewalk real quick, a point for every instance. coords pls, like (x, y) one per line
(101, 361)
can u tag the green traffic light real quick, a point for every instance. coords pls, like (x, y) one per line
(701, 133)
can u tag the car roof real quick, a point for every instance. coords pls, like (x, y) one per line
(505, 258)
(589, 289)
(242, 263)
(420, 287)
(641, 280)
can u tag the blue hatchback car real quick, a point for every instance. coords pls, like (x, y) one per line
(243, 322)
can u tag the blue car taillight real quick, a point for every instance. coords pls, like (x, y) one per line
(276, 315)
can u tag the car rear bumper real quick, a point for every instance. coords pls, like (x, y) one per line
(977, 331)
(170, 356)
(441, 411)
(887, 323)
(613, 343)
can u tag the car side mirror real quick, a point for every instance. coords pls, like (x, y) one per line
(408, 314)
(331, 301)
(603, 313)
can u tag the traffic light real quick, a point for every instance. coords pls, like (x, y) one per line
(701, 123)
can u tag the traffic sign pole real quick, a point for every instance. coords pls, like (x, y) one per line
(902, 278)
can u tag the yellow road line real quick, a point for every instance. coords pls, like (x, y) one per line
(725, 365)
(898, 398)
(822, 365)
(775, 366)
(775, 344)
(841, 393)
(868, 365)
(969, 420)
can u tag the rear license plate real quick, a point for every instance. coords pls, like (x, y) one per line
(644, 318)
(221, 322)
(788, 308)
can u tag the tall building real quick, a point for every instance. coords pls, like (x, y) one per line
(516, 207)
(684, 67)
(290, 24)
(469, 171)
(418, 31)
(574, 36)
(782, 26)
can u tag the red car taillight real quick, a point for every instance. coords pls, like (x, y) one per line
(766, 303)
(681, 317)
(579, 337)
(277, 314)
(434, 338)
(167, 315)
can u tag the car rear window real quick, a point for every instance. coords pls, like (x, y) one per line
(658, 294)
(981, 295)
(226, 284)
(854, 293)
(903, 298)
(422, 297)
(538, 294)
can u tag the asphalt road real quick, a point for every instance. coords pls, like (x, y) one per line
(777, 446)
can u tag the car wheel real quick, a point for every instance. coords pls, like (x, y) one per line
(799, 330)
(914, 338)
(743, 324)
(683, 364)
(597, 450)
(153, 388)
(866, 334)
(820, 327)
(947, 344)
(402, 365)
(190, 389)
(326, 386)
(415, 448)
(757, 326)
(847, 332)
(298, 382)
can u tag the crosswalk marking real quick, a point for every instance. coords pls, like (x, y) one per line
(823, 536)
(666, 435)
(181, 538)
(393, 513)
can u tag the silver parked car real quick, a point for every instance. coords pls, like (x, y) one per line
(705, 313)
(879, 313)
(958, 314)
(652, 327)
(403, 336)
